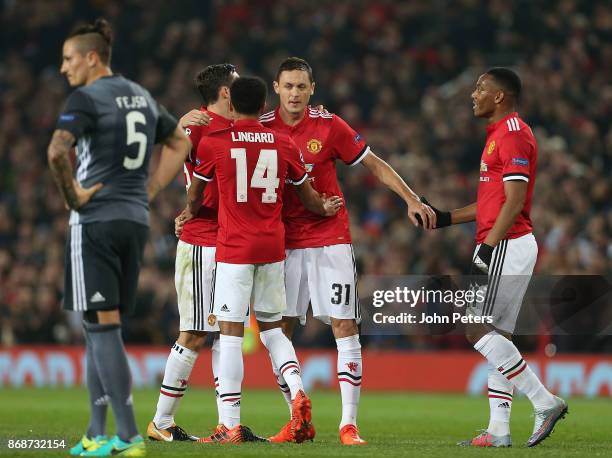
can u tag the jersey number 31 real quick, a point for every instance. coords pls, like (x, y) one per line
(264, 176)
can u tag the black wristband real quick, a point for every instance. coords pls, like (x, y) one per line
(443, 219)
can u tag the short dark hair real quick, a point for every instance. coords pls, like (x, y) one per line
(96, 37)
(248, 95)
(507, 79)
(294, 63)
(211, 79)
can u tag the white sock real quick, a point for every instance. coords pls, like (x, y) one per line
(349, 377)
(282, 385)
(231, 372)
(215, 350)
(178, 369)
(500, 402)
(283, 357)
(502, 354)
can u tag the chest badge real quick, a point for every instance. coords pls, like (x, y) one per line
(483, 166)
(314, 146)
(491, 147)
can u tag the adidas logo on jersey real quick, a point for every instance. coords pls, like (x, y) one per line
(225, 308)
(505, 405)
(97, 297)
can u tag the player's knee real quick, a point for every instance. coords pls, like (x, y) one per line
(344, 328)
(288, 326)
(193, 340)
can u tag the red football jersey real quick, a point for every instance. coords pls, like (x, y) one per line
(510, 153)
(251, 163)
(202, 230)
(323, 138)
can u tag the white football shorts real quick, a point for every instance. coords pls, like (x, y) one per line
(193, 274)
(238, 285)
(327, 278)
(510, 271)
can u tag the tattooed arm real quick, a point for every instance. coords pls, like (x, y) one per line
(61, 168)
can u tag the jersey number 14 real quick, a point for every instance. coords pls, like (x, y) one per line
(265, 175)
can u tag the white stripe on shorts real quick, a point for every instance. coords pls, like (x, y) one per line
(79, 299)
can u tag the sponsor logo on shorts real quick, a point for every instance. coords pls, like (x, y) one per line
(225, 308)
(212, 319)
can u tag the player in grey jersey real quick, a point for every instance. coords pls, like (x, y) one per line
(114, 122)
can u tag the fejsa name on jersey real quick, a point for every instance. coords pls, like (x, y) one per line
(131, 102)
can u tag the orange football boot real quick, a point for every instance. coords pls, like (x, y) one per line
(286, 434)
(301, 417)
(237, 435)
(349, 435)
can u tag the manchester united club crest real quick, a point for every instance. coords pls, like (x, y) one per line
(491, 147)
(314, 146)
(212, 319)
(352, 366)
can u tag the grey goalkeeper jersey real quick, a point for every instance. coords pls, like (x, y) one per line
(116, 123)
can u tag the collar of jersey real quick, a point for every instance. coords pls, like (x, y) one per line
(296, 126)
(493, 127)
(218, 117)
(247, 123)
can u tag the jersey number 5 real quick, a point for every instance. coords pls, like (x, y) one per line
(264, 176)
(133, 136)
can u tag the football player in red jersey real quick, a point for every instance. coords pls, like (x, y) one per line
(195, 260)
(252, 165)
(320, 265)
(506, 252)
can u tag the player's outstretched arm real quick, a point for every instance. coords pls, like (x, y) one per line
(317, 203)
(174, 152)
(465, 214)
(61, 168)
(389, 177)
(448, 218)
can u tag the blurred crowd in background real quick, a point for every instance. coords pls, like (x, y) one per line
(401, 73)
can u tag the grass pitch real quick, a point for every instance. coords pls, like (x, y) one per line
(395, 424)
